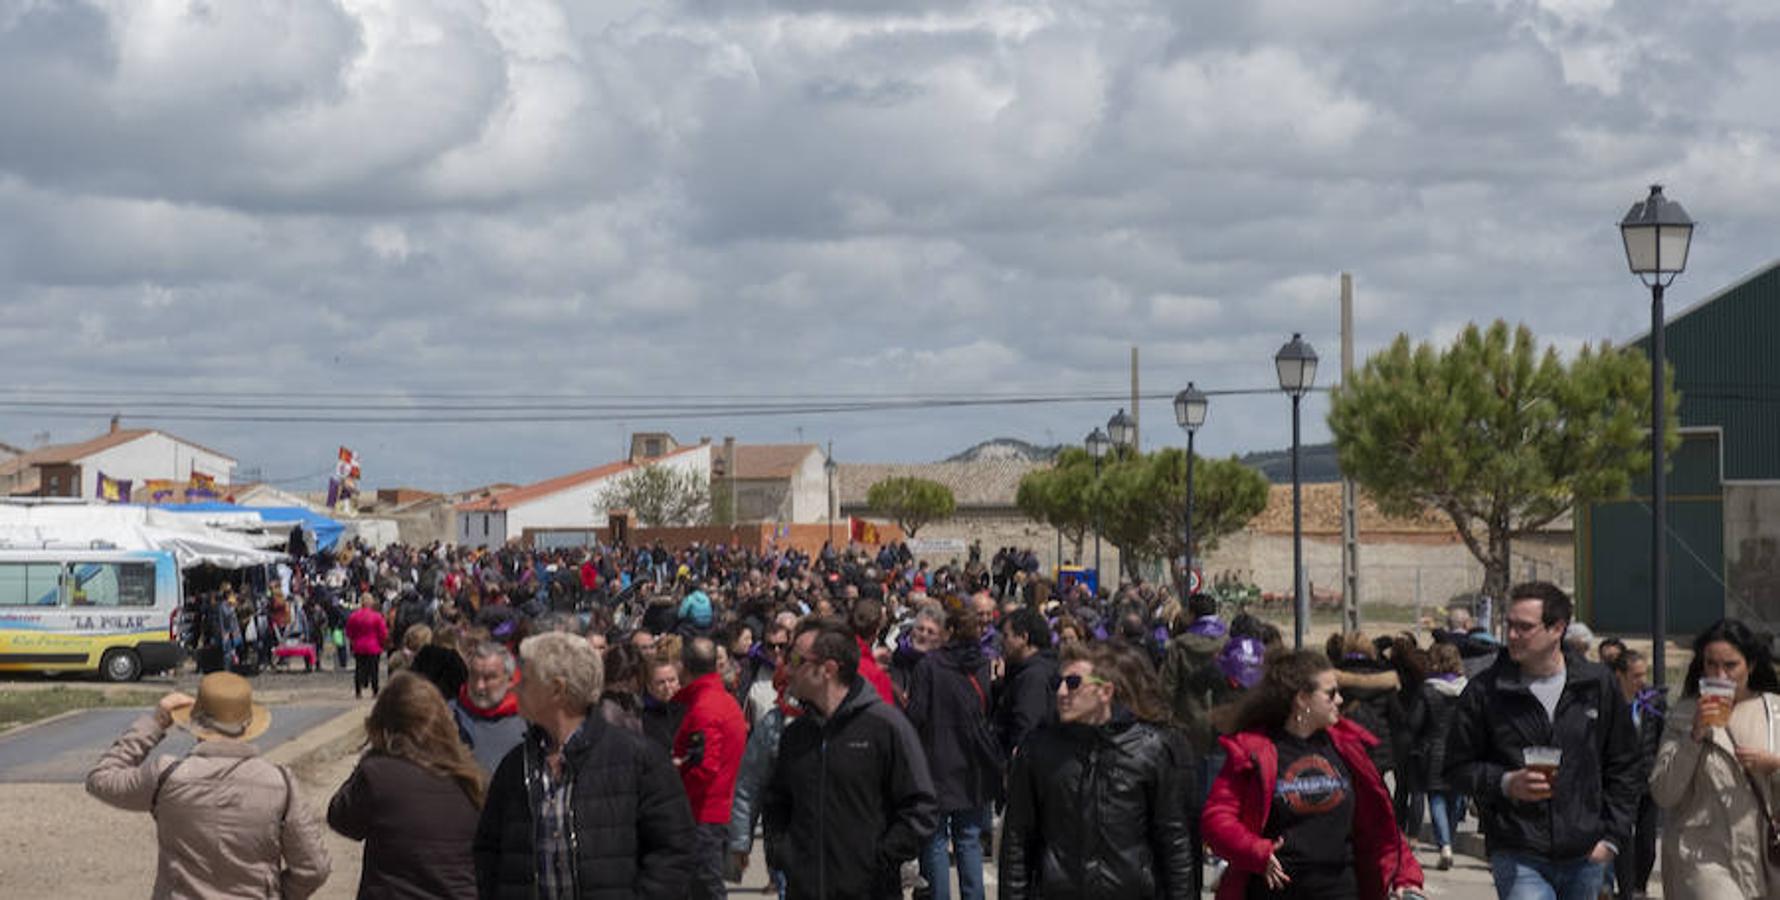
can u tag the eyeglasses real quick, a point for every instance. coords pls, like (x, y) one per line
(779, 647)
(1073, 682)
(1332, 693)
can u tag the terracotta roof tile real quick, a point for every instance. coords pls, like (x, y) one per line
(989, 482)
(769, 461)
(530, 492)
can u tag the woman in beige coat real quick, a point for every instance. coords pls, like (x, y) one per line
(229, 823)
(1705, 776)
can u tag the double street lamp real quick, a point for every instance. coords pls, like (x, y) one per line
(1657, 233)
(1296, 363)
(1189, 413)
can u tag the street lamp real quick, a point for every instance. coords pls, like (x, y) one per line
(1657, 233)
(1189, 413)
(1296, 362)
(1122, 429)
(1097, 442)
(830, 466)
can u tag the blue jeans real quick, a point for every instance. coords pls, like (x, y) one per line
(1531, 878)
(960, 831)
(1443, 809)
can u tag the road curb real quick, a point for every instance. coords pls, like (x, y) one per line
(330, 740)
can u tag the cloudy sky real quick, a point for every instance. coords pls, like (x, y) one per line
(278, 227)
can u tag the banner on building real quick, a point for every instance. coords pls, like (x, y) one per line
(114, 490)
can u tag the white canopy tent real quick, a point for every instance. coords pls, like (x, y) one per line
(26, 524)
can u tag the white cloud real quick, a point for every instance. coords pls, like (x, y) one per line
(624, 197)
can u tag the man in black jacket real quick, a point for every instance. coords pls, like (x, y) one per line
(949, 706)
(580, 809)
(1026, 699)
(850, 789)
(1097, 805)
(1547, 835)
(1631, 671)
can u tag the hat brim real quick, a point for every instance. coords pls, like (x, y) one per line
(257, 723)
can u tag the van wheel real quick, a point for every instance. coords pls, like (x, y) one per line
(120, 665)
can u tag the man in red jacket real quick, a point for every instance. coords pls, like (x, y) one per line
(708, 749)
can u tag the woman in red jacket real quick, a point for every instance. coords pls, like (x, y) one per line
(1299, 810)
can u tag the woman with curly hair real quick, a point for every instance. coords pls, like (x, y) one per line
(1299, 810)
(413, 799)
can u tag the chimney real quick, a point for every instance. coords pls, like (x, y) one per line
(114, 420)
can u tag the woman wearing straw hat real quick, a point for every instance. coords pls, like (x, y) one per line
(229, 823)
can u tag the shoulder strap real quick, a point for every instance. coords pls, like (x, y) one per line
(161, 782)
(290, 792)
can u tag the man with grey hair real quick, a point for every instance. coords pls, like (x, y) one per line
(580, 808)
(486, 707)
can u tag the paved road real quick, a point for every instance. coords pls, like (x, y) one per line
(61, 752)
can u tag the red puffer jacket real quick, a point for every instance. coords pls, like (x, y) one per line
(1235, 814)
(709, 773)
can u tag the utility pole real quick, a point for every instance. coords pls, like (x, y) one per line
(1350, 512)
(1136, 407)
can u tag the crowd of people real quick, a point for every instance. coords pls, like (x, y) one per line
(617, 722)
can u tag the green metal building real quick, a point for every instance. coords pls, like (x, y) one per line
(1724, 481)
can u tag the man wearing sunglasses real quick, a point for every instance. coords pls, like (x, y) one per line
(1097, 805)
(850, 790)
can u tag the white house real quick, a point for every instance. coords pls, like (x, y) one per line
(566, 501)
(133, 454)
(778, 482)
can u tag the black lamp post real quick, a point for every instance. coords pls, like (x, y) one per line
(1122, 429)
(1296, 362)
(830, 467)
(1189, 414)
(1097, 442)
(1657, 233)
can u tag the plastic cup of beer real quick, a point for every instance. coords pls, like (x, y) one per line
(1544, 760)
(1717, 695)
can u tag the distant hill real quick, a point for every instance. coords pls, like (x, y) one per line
(1006, 448)
(1316, 462)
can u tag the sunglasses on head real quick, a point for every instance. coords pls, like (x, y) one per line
(1073, 682)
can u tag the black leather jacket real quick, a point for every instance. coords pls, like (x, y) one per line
(1099, 812)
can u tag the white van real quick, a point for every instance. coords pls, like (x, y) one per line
(111, 611)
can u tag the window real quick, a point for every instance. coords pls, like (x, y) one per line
(112, 584)
(485, 526)
(29, 584)
(652, 447)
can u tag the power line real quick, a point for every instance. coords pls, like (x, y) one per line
(586, 411)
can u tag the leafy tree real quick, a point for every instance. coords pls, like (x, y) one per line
(1501, 438)
(659, 496)
(1143, 502)
(1058, 496)
(911, 502)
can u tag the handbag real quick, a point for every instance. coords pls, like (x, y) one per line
(1770, 834)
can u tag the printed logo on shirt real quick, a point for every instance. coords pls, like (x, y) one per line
(1311, 786)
